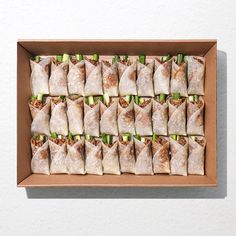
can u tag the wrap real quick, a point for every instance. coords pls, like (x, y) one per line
(93, 85)
(196, 71)
(91, 119)
(110, 78)
(196, 156)
(110, 160)
(126, 154)
(143, 118)
(58, 79)
(162, 77)
(75, 115)
(143, 165)
(40, 157)
(177, 118)
(161, 158)
(127, 76)
(58, 121)
(159, 117)
(40, 116)
(144, 79)
(108, 122)
(179, 155)
(93, 162)
(126, 117)
(58, 157)
(39, 76)
(195, 117)
(76, 77)
(178, 83)
(75, 157)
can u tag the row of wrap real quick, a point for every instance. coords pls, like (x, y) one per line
(73, 114)
(90, 77)
(177, 155)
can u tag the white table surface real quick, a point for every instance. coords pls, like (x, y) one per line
(119, 211)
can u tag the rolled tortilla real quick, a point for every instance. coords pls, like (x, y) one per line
(58, 121)
(40, 123)
(196, 71)
(58, 79)
(159, 117)
(76, 77)
(108, 121)
(127, 76)
(127, 159)
(161, 158)
(179, 155)
(196, 155)
(40, 157)
(177, 118)
(143, 151)
(162, 76)
(93, 85)
(58, 158)
(39, 76)
(195, 117)
(110, 160)
(91, 119)
(126, 118)
(75, 157)
(145, 80)
(75, 115)
(110, 78)
(178, 83)
(143, 118)
(93, 162)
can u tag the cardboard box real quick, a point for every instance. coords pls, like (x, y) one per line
(27, 48)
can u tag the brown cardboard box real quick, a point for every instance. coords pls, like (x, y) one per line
(27, 48)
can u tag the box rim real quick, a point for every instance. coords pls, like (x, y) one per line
(212, 182)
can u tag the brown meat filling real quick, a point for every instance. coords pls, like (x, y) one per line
(74, 97)
(161, 102)
(109, 145)
(94, 142)
(182, 140)
(126, 62)
(36, 143)
(107, 63)
(147, 141)
(37, 104)
(122, 141)
(145, 103)
(93, 62)
(58, 141)
(200, 141)
(71, 142)
(57, 100)
(177, 102)
(161, 141)
(195, 105)
(74, 60)
(123, 102)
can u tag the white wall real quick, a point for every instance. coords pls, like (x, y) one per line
(118, 211)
